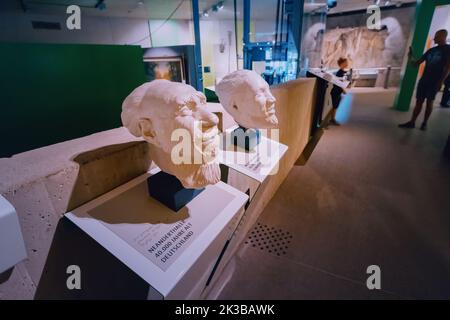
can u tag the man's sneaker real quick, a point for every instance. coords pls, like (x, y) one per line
(407, 125)
(423, 127)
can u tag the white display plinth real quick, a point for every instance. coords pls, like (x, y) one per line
(12, 246)
(257, 163)
(174, 252)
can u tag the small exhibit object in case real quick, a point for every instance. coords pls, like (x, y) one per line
(245, 138)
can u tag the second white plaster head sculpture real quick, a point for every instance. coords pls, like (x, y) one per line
(156, 110)
(247, 97)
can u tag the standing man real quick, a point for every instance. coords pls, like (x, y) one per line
(436, 70)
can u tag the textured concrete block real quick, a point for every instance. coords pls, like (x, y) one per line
(38, 220)
(106, 168)
(42, 184)
(60, 186)
(17, 285)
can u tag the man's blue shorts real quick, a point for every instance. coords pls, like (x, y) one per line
(426, 90)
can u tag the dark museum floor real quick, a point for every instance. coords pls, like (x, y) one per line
(371, 193)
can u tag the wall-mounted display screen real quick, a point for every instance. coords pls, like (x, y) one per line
(169, 68)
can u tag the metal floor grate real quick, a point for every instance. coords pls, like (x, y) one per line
(266, 238)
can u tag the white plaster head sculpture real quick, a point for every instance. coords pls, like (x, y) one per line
(247, 97)
(162, 111)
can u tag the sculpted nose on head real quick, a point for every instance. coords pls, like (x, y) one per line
(208, 119)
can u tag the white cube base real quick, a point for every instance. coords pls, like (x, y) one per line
(12, 246)
(174, 252)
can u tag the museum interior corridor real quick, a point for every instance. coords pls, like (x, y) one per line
(361, 199)
(205, 150)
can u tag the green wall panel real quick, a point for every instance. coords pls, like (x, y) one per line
(55, 92)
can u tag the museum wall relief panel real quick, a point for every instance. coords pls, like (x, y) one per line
(348, 36)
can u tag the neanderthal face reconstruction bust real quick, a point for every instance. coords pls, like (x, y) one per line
(183, 135)
(247, 97)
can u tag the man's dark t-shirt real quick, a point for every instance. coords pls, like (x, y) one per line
(338, 90)
(437, 59)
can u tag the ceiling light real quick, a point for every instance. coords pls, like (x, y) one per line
(218, 6)
(205, 13)
(100, 5)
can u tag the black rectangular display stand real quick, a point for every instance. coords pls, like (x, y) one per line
(168, 190)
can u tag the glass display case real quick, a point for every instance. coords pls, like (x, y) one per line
(313, 29)
(262, 35)
(271, 38)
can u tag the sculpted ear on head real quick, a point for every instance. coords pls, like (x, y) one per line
(133, 118)
(147, 131)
